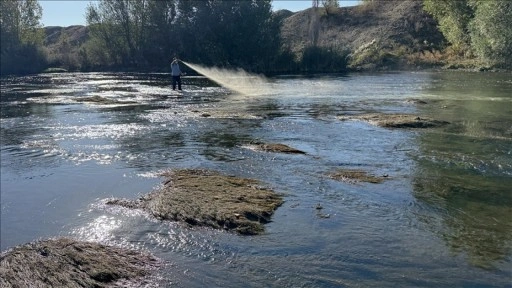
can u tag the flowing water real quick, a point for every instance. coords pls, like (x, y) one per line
(443, 217)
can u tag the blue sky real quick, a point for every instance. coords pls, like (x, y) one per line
(67, 13)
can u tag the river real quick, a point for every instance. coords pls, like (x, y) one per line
(442, 218)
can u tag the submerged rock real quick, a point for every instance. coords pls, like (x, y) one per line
(354, 176)
(397, 120)
(416, 101)
(102, 100)
(65, 262)
(276, 147)
(208, 198)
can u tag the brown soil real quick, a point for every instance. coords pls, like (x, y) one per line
(397, 120)
(354, 176)
(208, 198)
(65, 262)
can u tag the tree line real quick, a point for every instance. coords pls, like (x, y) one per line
(481, 28)
(143, 35)
(235, 33)
(21, 37)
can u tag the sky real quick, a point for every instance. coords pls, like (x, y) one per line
(67, 13)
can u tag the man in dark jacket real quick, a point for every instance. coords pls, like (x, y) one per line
(175, 73)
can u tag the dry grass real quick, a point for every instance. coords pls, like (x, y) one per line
(207, 198)
(65, 262)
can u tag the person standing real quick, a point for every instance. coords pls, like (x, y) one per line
(175, 73)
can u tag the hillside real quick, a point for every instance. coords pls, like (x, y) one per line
(63, 45)
(378, 34)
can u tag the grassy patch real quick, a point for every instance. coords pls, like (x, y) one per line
(354, 176)
(65, 262)
(208, 198)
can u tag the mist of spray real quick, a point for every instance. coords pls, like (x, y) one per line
(236, 80)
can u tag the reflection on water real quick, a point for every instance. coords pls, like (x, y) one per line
(464, 172)
(441, 219)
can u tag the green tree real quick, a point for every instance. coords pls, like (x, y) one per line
(453, 18)
(476, 27)
(21, 36)
(30, 27)
(491, 31)
(330, 6)
(131, 33)
(140, 33)
(9, 25)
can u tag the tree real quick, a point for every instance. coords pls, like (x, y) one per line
(453, 18)
(330, 6)
(481, 27)
(126, 29)
(140, 33)
(491, 31)
(30, 28)
(9, 24)
(21, 36)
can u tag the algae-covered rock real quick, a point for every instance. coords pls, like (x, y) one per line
(354, 176)
(65, 262)
(102, 100)
(208, 198)
(397, 120)
(275, 147)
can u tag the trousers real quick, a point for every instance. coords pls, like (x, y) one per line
(176, 79)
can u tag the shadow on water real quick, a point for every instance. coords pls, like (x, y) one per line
(464, 171)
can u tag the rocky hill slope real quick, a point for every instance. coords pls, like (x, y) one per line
(378, 33)
(63, 45)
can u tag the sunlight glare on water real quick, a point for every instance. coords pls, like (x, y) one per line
(441, 218)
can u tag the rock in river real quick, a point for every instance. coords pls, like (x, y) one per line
(208, 198)
(397, 120)
(64, 262)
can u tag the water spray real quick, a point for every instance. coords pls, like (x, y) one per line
(238, 80)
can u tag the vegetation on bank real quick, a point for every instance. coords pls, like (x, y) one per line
(21, 37)
(476, 29)
(130, 35)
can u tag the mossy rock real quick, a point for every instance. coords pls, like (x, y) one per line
(276, 148)
(354, 176)
(64, 262)
(207, 198)
(397, 120)
(102, 100)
